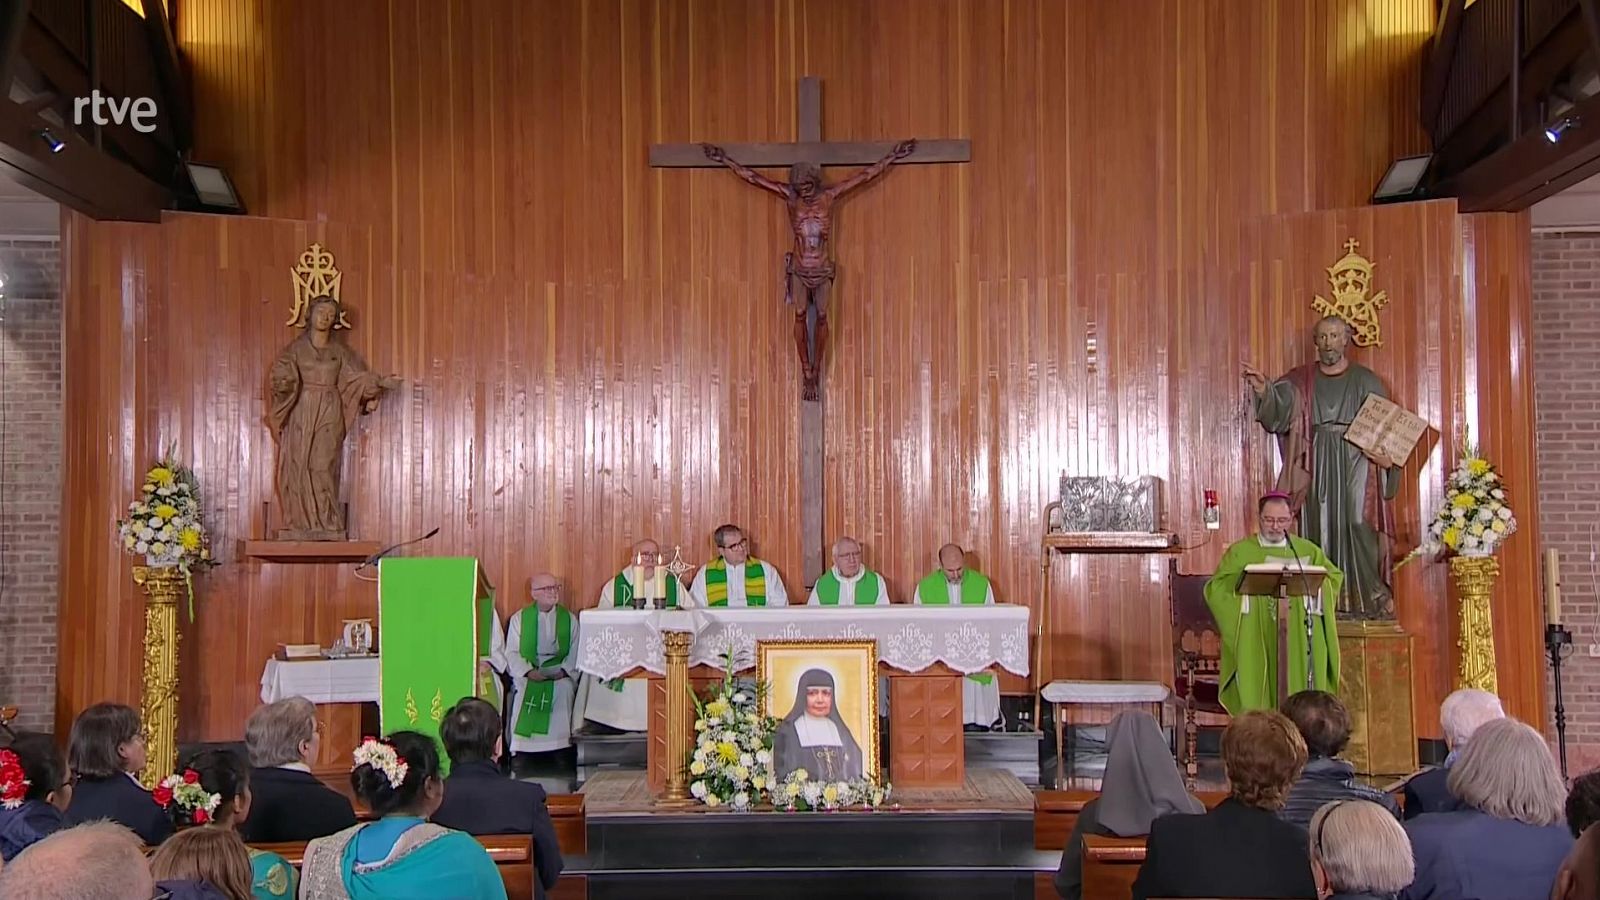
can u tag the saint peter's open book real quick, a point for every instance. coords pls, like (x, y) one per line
(1381, 426)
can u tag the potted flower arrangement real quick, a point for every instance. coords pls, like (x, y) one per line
(164, 526)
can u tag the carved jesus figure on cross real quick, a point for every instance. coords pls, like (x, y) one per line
(809, 265)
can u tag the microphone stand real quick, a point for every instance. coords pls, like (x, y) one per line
(1557, 637)
(1305, 610)
(373, 559)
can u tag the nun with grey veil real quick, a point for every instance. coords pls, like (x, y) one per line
(1141, 783)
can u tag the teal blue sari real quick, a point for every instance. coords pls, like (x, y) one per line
(271, 878)
(425, 862)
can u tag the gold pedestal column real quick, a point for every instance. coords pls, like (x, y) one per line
(676, 646)
(1375, 685)
(158, 703)
(1474, 576)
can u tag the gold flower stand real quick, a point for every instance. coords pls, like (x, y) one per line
(1474, 577)
(158, 703)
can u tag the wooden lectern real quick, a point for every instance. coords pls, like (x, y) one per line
(1282, 582)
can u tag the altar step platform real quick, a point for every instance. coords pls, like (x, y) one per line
(973, 840)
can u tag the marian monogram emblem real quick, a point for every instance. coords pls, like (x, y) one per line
(315, 276)
(1350, 278)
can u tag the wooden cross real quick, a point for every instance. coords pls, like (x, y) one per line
(810, 148)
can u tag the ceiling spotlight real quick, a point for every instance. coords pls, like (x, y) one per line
(55, 144)
(1555, 130)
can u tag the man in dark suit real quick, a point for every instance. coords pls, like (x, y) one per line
(288, 803)
(1459, 715)
(478, 799)
(1241, 848)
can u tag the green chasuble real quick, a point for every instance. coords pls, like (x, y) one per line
(866, 589)
(538, 697)
(933, 591)
(1249, 674)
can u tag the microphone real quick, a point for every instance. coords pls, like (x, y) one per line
(373, 559)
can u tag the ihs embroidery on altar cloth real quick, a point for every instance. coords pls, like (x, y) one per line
(1351, 278)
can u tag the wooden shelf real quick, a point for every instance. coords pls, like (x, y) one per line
(1112, 542)
(308, 551)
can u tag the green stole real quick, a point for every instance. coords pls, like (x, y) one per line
(974, 592)
(866, 589)
(538, 697)
(622, 590)
(755, 582)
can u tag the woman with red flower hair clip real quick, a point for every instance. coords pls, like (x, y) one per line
(33, 792)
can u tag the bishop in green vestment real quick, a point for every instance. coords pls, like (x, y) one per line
(1249, 625)
(1342, 494)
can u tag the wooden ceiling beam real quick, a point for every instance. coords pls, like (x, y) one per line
(1531, 167)
(175, 101)
(79, 176)
(1436, 68)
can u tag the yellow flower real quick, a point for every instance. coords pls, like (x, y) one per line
(130, 541)
(160, 475)
(728, 752)
(158, 548)
(716, 708)
(758, 783)
(800, 774)
(1478, 466)
(1476, 530)
(189, 538)
(792, 790)
(1452, 537)
(166, 510)
(1465, 501)
(713, 800)
(697, 768)
(1499, 525)
(830, 794)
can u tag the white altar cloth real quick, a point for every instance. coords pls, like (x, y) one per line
(321, 680)
(910, 637)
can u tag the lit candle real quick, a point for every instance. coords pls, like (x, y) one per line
(1552, 586)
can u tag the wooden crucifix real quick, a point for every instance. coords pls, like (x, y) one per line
(808, 269)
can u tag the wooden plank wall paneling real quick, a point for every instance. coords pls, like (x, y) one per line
(595, 351)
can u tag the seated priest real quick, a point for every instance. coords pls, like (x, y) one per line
(953, 583)
(848, 582)
(539, 659)
(478, 799)
(287, 802)
(735, 577)
(492, 664)
(1248, 625)
(622, 704)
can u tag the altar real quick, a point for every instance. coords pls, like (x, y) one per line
(923, 650)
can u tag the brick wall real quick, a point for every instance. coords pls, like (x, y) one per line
(30, 475)
(1566, 365)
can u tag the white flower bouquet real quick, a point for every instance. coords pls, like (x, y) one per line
(799, 793)
(732, 760)
(1476, 517)
(164, 524)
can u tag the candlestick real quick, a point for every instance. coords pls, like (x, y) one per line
(1552, 586)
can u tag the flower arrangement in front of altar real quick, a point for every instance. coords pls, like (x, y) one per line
(1476, 517)
(185, 799)
(164, 523)
(800, 793)
(732, 760)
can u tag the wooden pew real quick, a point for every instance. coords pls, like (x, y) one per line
(512, 855)
(1056, 812)
(1110, 865)
(572, 833)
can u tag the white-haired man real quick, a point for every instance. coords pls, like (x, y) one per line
(1461, 714)
(849, 582)
(538, 657)
(93, 861)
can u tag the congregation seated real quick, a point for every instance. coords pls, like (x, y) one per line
(1583, 803)
(1359, 851)
(1240, 848)
(105, 752)
(1324, 724)
(95, 861)
(42, 811)
(1508, 839)
(226, 774)
(203, 863)
(479, 799)
(1141, 783)
(401, 855)
(1579, 878)
(1460, 715)
(288, 803)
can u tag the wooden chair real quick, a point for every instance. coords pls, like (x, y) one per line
(1197, 652)
(1110, 865)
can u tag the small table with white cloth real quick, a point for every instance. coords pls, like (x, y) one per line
(346, 694)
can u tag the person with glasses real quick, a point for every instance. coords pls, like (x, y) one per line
(96, 861)
(849, 582)
(956, 583)
(1359, 852)
(106, 752)
(735, 577)
(538, 657)
(1248, 625)
(287, 802)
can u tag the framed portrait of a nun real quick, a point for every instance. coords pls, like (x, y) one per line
(824, 694)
